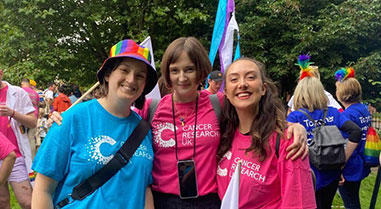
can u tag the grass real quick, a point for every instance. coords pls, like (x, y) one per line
(366, 191)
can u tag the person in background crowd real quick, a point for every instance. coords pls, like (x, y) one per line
(33, 85)
(62, 101)
(49, 96)
(33, 95)
(75, 93)
(215, 82)
(42, 127)
(7, 158)
(311, 98)
(252, 119)
(314, 70)
(17, 114)
(93, 131)
(349, 94)
(35, 98)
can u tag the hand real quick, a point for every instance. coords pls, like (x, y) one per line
(5, 111)
(299, 146)
(55, 117)
(341, 182)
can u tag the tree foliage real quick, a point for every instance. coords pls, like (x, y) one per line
(69, 39)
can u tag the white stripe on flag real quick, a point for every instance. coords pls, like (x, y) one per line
(231, 197)
(155, 93)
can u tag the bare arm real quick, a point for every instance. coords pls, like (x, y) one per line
(6, 167)
(43, 191)
(299, 147)
(149, 199)
(29, 120)
(349, 150)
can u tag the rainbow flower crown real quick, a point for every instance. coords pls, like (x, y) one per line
(304, 64)
(344, 73)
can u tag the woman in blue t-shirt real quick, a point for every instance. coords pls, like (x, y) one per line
(310, 98)
(348, 92)
(91, 134)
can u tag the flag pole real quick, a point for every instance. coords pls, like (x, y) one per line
(85, 94)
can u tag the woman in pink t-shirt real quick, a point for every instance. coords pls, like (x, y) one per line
(252, 119)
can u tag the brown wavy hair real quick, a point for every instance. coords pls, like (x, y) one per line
(270, 117)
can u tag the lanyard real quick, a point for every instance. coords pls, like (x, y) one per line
(195, 124)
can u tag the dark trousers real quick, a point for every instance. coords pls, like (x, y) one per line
(324, 196)
(350, 194)
(170, 201)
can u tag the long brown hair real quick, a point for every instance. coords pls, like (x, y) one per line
(270, 117)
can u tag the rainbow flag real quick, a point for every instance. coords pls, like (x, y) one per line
(372, 148)
(32, 176)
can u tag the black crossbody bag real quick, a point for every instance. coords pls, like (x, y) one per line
(120, 159)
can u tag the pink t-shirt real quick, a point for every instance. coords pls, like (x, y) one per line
(6, 146)
(164, 173)
(5, 126)
(33, 95)
(273, 183)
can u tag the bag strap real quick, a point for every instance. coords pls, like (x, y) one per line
(277, 144)
(308, 116)
(152, 109)
(216, 105)
(120, 159)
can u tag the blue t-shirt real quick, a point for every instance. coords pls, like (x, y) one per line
(87, 139)
(323, 178)
(354, 169)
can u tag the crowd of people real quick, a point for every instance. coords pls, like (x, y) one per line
(195, 142)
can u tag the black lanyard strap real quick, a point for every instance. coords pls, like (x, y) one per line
(120, 159)
(195, 125)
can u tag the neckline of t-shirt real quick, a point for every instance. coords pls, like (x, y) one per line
(109, 115)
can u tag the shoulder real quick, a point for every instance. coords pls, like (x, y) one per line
(294, 115)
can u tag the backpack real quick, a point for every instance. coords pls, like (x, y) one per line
(372, 148)
(326, 151)
(213, 99)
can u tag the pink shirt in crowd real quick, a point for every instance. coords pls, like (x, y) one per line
(6, 146)
(273, 183)
(5, 127)
(35, 97)
(164, 173)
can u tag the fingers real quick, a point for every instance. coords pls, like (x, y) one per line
(55, 117)
(292, 149)
(305, 154)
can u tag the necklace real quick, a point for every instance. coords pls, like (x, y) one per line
(174, 128)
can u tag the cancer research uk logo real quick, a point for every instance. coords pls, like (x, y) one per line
(163, 133)
(100, 149)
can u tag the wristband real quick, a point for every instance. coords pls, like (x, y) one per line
(13, 114)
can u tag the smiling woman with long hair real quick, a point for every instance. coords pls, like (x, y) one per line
(253, 118)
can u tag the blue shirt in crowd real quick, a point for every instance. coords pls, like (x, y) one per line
(323, 178)
(355, 169)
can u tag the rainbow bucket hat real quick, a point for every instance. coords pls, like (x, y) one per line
(128, 48)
